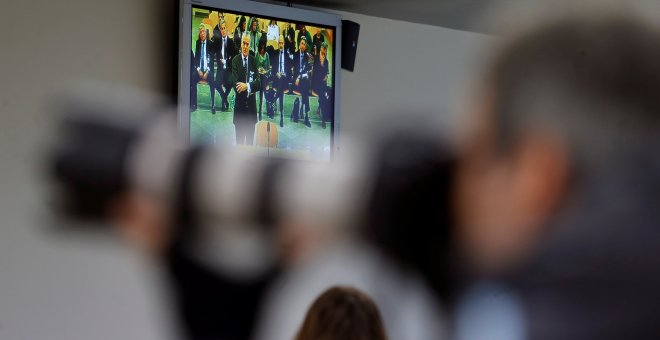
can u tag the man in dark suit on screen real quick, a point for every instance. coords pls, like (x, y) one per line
(282, 69)
(224, 52)
(245, 81)
(203, 64)
(302, 68)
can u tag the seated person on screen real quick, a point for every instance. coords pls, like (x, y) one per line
(224, 51)
(273, 32)
(290, 49)
(289, 34)
(238, 32)
(282, 68)
(263, 66)
(320, 83)
(301, 71)
(304, 33)
(203, 63)
(255, 35)
(317, 41)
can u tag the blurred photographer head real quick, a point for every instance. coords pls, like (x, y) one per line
(568, 110)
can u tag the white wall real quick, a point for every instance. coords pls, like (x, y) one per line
(405, 67)
(72, 286)
(53, 285)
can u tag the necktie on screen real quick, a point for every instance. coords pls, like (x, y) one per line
(201, 58)
(245, 66)
(203, 61)
(282, 62)
(224, 57)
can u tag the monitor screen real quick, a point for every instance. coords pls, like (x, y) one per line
(260, 77)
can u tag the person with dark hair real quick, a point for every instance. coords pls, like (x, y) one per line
(238, 32)
(304, 33)
(320, 74)
(559, 187)
(246, 81)
(255, 36)
(317, 41)
(302, 68)
(343, 313)
(289, 34)
(193, 83)
(263, 66)
(203, 61)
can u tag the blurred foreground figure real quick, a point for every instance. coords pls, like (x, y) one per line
(343, 313)
(558, 192)
(244, 238)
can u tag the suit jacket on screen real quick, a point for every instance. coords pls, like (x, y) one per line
(300, 69)
(245, 108)
(230, 52)
(209, 55)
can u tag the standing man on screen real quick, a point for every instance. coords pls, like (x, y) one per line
(245, 81)
(301, 71)
(203, 63)
(224, 53)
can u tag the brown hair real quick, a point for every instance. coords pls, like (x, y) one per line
(342, 313)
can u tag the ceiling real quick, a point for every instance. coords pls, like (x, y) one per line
(456, 14)
(470, 15)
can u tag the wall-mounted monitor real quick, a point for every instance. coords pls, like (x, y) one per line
(260, 77)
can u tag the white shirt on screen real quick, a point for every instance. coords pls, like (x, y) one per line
(273, 33)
